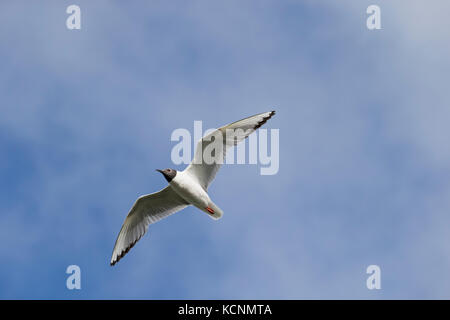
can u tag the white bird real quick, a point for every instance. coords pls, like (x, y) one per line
(187, 187)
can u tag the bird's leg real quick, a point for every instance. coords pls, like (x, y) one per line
(210, 210)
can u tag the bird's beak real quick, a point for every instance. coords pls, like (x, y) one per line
(160, 171)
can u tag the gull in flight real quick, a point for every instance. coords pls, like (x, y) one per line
(187, 187)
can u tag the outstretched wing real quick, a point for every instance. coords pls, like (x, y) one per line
(205, 171)
(146, 210)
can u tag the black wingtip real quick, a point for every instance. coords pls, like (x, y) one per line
(124, 252)
(264, 120)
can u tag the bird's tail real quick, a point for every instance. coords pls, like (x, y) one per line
(213, 211)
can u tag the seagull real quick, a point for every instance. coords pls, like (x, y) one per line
(185, 188)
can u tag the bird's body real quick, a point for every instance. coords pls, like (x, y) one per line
(187, 187)
(190, 190)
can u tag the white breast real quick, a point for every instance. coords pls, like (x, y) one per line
(190, 190)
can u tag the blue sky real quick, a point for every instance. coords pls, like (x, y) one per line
(86, 116)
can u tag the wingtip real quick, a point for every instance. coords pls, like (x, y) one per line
(123, 252)
(113, 261)
(264, 120)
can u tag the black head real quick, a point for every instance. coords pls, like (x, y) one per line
(169, 174)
